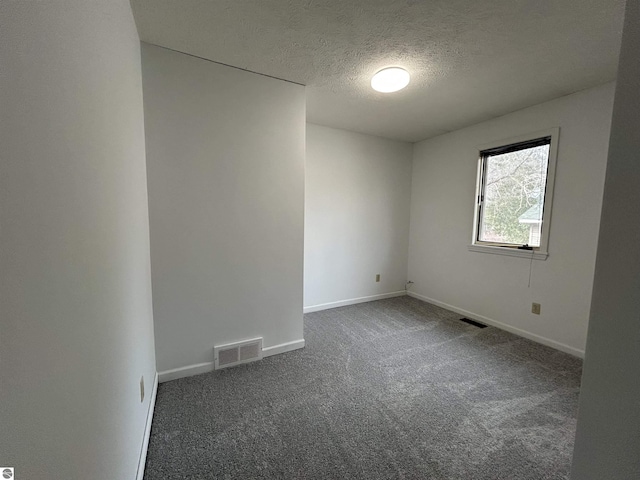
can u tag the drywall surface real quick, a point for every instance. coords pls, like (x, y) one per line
(357, 196)
(225, 164)
(496, 287)
(608, 432)
(76, 327)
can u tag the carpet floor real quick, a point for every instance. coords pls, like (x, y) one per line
(392, 389)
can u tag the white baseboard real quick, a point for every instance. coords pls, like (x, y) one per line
(199, 368)
(187, 371)
(147, 430)
(282, 348)
(352, 301)
(503, 326)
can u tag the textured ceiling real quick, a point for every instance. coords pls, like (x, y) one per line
(470, 60)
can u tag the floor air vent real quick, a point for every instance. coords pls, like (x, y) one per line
(236, 353)
(473, 322)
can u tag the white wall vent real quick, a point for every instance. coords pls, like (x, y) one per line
(236, 353)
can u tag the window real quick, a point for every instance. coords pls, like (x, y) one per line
(514, 194)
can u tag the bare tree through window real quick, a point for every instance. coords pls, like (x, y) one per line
(513, 192)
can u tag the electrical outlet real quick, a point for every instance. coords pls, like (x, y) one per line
(535, 308)
(142, 389)
(377, 277)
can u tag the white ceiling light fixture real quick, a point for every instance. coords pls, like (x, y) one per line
(390, 79)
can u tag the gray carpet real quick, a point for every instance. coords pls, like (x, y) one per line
(393, 389)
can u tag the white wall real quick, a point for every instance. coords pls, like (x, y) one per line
(608, 433)
(356, 216)
(494, 286)
(226, 198)
(76, 330)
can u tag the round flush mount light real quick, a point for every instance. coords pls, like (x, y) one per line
(390, 80)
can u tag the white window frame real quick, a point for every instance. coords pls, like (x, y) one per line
(538, 253)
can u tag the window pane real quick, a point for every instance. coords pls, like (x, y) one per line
(514, 187)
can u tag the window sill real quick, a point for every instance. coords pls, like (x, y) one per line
(511, 252)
